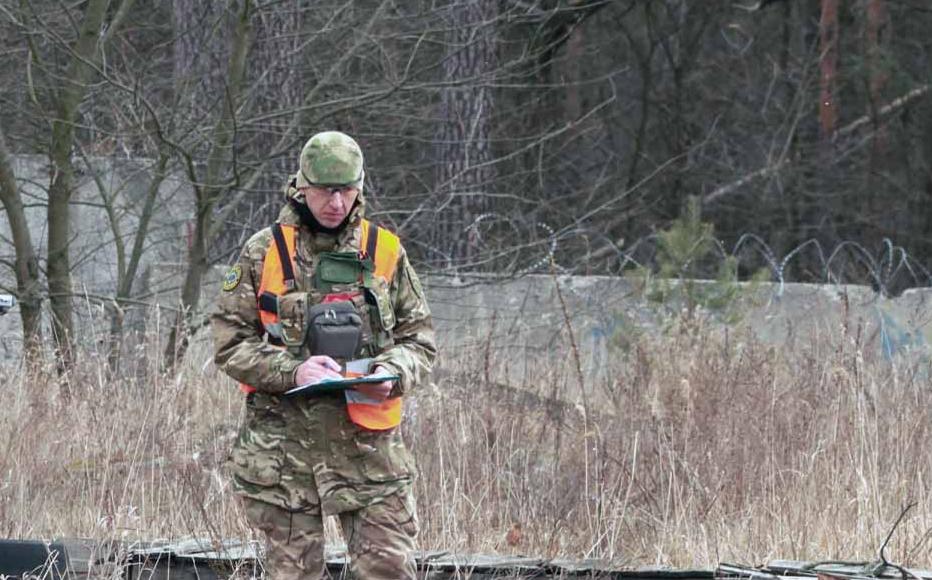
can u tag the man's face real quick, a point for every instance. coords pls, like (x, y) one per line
(330, 205)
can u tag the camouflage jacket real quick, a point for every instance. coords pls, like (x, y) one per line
(351, 467)
(241, 350)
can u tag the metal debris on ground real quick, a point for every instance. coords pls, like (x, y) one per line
(828, 570)
(200, 559)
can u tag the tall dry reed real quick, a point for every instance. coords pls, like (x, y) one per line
(703, 447)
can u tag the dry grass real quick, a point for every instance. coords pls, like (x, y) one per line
(706, 448)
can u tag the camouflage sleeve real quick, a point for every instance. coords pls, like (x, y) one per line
(414, 350)
(239, 349)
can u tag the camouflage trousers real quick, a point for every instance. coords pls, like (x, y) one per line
(296, 460)
(379, 540)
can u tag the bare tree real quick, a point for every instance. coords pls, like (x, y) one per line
(275, 85)
(26, 265)
(217, 174)
(128, 262)
(225, 175)
(66, 72)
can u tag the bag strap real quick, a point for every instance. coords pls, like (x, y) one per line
(372, 240)
(382, 249)
(283, 255)
(268, 302)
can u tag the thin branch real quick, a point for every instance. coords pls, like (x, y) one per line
(885, 111)
(846, 131)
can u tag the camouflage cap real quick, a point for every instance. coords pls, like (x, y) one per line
(330, 158)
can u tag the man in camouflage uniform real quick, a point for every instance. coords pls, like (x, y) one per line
(299, 458)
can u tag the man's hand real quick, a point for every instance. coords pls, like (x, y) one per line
(316, 369)
(377, 391)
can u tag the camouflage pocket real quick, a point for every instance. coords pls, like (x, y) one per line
(396, 513)
(257, 457)
(380, 298)
(411, 524)
(383, 455)
(259, 467)
(382, 315)
(292, 310)
(264, 419)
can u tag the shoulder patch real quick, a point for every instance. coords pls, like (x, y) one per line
(232, 278)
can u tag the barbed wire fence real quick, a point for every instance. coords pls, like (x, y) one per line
(520, 247)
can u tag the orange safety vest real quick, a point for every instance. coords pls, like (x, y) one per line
(379, 244)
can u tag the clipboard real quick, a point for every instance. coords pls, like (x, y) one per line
(338, 385)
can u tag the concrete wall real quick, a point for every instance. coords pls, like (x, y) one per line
(93, 253)
(523, 320)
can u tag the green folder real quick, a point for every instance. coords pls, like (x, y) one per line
(338, 385)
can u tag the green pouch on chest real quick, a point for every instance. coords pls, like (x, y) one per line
(339, 268)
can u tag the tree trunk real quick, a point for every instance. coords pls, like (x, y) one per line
(644, 58)
(59, 237)
(828, 66)
(74, 87)
(925, 194)
(464, 172)
(573, 67)
(877, 69)
(27, 263)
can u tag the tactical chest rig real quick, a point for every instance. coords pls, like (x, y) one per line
(346, 285)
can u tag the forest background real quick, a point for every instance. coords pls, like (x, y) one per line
(500, 136)
(505, 137)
